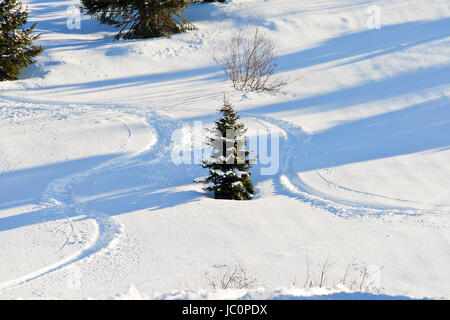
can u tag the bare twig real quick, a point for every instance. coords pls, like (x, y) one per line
(237, 278)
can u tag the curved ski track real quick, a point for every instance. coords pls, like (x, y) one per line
(57, 200)
(295, 147)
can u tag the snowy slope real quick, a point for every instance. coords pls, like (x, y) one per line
(90, 201)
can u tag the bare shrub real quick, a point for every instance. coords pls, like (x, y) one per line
(231, 278)
(322, 271)
(360, 277)
(357, 276)
(249, 62)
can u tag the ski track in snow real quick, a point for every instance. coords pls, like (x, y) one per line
(295, 148)
(57, 200)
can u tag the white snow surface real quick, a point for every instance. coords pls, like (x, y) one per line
(291, 293)
(91, 203)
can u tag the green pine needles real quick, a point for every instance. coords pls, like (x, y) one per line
(16, 42)
(140, 19)
(229, 163)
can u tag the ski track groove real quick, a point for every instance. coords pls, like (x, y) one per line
(296, 146)
(57, 200)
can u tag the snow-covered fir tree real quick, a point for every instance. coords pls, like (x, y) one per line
(140, 19)
(229, 163)
(16, 42)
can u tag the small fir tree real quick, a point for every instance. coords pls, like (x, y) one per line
(140, 19)
(229, 163)
(16, 42)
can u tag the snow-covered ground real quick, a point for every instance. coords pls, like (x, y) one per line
(91, 203)
(259, 294)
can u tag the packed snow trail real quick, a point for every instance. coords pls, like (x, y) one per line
(58, 201)
(295, 149)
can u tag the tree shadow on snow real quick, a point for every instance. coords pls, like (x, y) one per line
(341, 50)
(367, 44)
(112, 191)
(415, 81)
(418, 128)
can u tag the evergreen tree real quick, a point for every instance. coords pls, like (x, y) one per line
(16, 42)
(139, 19)
(229, 164)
